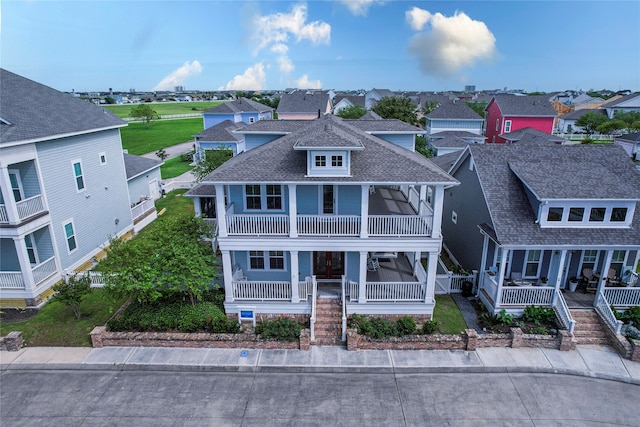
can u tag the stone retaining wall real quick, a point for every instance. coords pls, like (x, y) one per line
(12, 342)
(635, 350)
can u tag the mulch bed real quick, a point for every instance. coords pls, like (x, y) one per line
(9, 315)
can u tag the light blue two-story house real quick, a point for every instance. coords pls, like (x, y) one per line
(240, 110)
(328, 207)
(63, 187)
(452, 126)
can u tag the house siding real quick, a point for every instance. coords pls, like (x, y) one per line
(464, 239)
(404, 141)
(214, 119)
(543, 124)
(493, 114)
(95, 209)
(253, 140)
(9, 259)
(242, 259)
(139, 186)
(28, 177)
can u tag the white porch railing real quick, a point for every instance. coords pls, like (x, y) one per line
(258, 225)
(97, 280)
(30, 206)
(563, 313)
(4, 218)
(353, 290)
(328, 225)
(527, 295)
(44, 270)
(262, 291)
(400, 225)
(395, 291)
(213, 223)
(142, 208)
(622, 297)
(452, 283)
(490, 286)
(11, 280)
(312, 318)
(605, 311)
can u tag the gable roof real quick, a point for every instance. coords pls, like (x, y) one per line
(622, 99)
(458, 110)
(449, 142)
(379, 161)
(371, 115)
(222, 132)
(576, 114)
(530, 135)
(385, 126)
(570, 172)
(136, 165)
(303, 102)
(629, 137)
(446, 161)
(457, 133)
(34, 112)
(525, 106)
(353, 99)
(240, 105)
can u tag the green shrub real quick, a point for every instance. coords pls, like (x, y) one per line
(429, 326)
(406, 325)
(281, 329)
(183, 316)
(633, 333)
(539, 315)
(539, 330)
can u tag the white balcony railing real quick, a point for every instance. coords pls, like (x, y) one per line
(603, 307)
(262, 291)
(622, 297)
(527, 295)
(262, 225)
(563, 313)
(4, 218)
(44, 270)
(142, 208)
(400, 225)
(490, 285)
(11, 280)
(395, 291)
(328, 225)
(29, 207)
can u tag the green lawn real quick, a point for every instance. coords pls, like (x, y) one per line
(137, 139)
(448, 316)
(165, 109)
(174, 167)
(55, 324)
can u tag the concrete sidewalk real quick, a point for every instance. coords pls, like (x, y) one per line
(591, 361)
(172, 151)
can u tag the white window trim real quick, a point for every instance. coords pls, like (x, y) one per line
(75, 178)
(507, 126)
(321, 200)
(454, 217)
(16, 172)
(586, 223)
(252, 119)
(100, 155)
(526, 261)
(266, 260)
(263, 198)
(33, 247)
(66, 239)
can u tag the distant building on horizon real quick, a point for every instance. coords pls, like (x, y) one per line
(470, 88)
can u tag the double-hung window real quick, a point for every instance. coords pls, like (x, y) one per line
(70, 236)
(77, 173)
(256, 260)
(271, 260)
(16, 185)
(507, 126)
(617, 261)
(253, 197)
(31, 249)
(274, 196)
(532, 265)
(589, 258)
(259, 197)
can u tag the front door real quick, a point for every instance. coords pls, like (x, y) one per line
(328, 265)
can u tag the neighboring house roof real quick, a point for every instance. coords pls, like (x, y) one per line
(27, 113)
(449, 142)
(240, 105)
(201, 189)
(280, 127)
(371, 115)
(525, 106)
(222, 132)
(532, 136)
(629, 137)
(558, 171)
(622, 99)
(137, 165)
(457, 133)
(575, 115)
(385, 126)
(454, 110)
(379, 162)
(383, 92)
(446, 161)
(304, 102)
(353, 99)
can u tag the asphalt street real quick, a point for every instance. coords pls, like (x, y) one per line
(80, 397)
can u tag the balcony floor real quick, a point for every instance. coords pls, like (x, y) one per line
(385, 201)
(392, 270)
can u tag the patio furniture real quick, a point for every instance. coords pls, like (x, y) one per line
(590, 280)
(373, 264)
(612, 279)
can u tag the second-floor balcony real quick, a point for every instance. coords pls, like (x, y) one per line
(25, 208)
(390, 214)
(20, 193)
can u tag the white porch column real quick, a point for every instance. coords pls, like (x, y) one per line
(221, 213)
(7, 195)
(362, 283)
(423, 199)
(438, 203)
(483, 263)
(227, 271)
(364, 212)
(432, 268)
(563, 257)
(295, 294)
(25, 264)
(503, 267)
(293, 211)
(197, 209)
(603, 276)
(416, 262)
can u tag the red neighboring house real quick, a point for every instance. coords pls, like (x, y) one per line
(508, 113)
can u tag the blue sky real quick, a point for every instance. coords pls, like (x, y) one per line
(351, 44)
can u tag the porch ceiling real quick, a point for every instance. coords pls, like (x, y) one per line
(386, 201)
(392, 270)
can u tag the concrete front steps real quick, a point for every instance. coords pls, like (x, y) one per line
(328, 327)
(589, 328)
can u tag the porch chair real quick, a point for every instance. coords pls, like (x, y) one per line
(516, 278)
(612, 279)
(590, 280)
(373, 264)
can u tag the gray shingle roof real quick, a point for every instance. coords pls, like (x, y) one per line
(530, 135)
(379, 162)
(446, 161)
(274, 126)
(303, 102)
(371, 115)
(353, 99)
(222, 132)
(201, 189)
(37, 112)
(385, 125)
(240, 105)
(449, 142)
(458, 110)
(613, 103)
(526, 106)
(457, 133)
(629, 137)
(135, 165)
(324, 134)
(567, 167)
(575, 115)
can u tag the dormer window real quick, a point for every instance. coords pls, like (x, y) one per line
(321, 161)
(555, 214)
(576, 214)
(336, 161)
(329, 163)
(597, 214)
(591, 215)
(618, 214)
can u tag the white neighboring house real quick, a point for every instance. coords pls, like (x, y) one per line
(145, 187)
(631, 144)
(63, 187)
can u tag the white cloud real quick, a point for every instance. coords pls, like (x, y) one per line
(253, 78)
(276, 28)
(304, 83)
(417, 18)
(360, 7)
(178, 76)
(284, 62)
(454, 42)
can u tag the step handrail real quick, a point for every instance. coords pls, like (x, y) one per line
(344, 309)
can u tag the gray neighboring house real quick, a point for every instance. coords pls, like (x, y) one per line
(240, 110)
(531, 218)
(625, 104)
(304, 105)
(340, 102)
(218, 136)
(145, 187)
(567, 122)
(375, 95)
(63, 187)
(631, 144)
